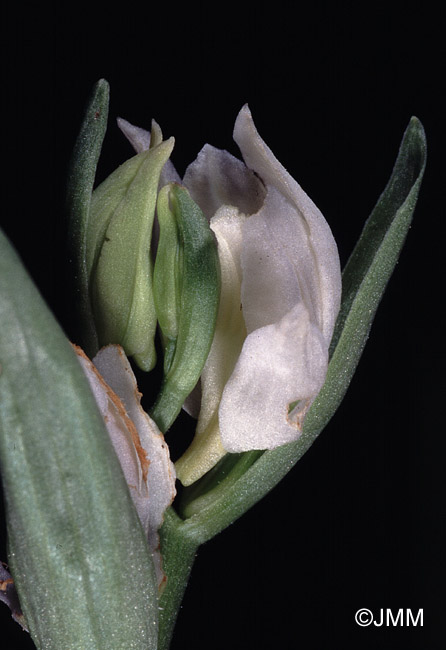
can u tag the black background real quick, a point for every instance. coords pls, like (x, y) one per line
(360, 522)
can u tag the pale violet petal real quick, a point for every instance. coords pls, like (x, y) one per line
(217, 178)
(280, 364)
(140, 140)
(169, 174)
(279, 269)
(206, 448)
(260, 159)
(192, 403)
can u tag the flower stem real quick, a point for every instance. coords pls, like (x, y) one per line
(178, 551)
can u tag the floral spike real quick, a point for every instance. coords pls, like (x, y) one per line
(281, 291)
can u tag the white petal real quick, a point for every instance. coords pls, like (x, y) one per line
(260, 159)
(230, 330)
(139, 138)
(217, 178)
(280, 364)
(279, 269)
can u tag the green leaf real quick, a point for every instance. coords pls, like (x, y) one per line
(373, 259)
(364, 281)
(167, 276)
(77, 552)
(79, 189)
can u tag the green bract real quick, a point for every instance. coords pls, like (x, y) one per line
(80, 186)
(186, 289)
(167, 276)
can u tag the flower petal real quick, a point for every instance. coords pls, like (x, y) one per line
(279, 269)
(260, 159)
(280, 364)
(139, 138)
(291, 293)
(217, 178)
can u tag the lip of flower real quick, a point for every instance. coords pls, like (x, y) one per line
(281, 289)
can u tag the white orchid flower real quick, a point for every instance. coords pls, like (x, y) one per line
(281, 290)
(137, 441)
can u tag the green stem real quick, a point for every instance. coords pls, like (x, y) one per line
(179, 551)
(216, 482)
